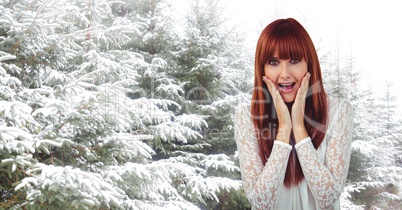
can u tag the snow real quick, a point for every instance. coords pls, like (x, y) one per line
(95, 109)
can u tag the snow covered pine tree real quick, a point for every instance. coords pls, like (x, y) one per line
(91, 113)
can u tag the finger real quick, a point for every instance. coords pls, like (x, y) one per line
(303, 89)
(307, 81)
(304, 86)
(271, 88)
(269, 84)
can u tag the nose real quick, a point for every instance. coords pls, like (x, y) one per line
(284, 70)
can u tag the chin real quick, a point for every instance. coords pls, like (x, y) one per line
(288, 99)
(289, 102)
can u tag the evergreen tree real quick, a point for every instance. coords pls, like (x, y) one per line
(92, 104)
(213, 68)
(381, 188)
(372, 181)
(389, 107)
(79, 134)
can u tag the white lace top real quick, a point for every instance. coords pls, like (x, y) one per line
(324, 169)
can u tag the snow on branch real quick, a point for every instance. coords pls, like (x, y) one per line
(194, 121)
(83, 190)
(203, 189)
(152, 182)
(15, 140)
(220, 162)
(21, 161)
(129, 146)
(5, 56)
(171, 131)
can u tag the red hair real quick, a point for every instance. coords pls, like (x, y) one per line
(289, 39)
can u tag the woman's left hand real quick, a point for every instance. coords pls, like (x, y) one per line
(298, 109)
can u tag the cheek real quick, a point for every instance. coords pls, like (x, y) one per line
(301, 75)
(301, 72)
(271, 74)
(304, 68)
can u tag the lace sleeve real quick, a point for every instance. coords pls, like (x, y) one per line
(261, 183)
(326, 179)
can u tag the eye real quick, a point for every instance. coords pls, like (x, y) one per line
(273, 62)
(294, 61)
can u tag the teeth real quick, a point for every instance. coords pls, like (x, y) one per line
(286, 85)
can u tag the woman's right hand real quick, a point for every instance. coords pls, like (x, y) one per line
(282, 112)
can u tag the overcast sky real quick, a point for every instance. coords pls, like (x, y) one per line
(370, 31)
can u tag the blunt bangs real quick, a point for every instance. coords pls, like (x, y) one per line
(287, 40)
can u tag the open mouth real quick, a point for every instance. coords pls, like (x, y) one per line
(286, 86)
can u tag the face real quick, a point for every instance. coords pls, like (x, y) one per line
(287, 74)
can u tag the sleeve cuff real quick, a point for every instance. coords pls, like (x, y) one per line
(304, 141)
(283, 144)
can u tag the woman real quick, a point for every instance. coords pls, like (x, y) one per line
(293, 143)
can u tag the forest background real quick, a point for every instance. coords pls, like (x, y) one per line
(128, 105)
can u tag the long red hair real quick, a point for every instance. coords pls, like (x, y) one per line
(289, 38)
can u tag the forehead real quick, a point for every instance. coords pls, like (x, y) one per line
(285, 54)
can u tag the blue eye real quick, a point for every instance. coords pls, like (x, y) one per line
(294, 61)
(273, 62)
